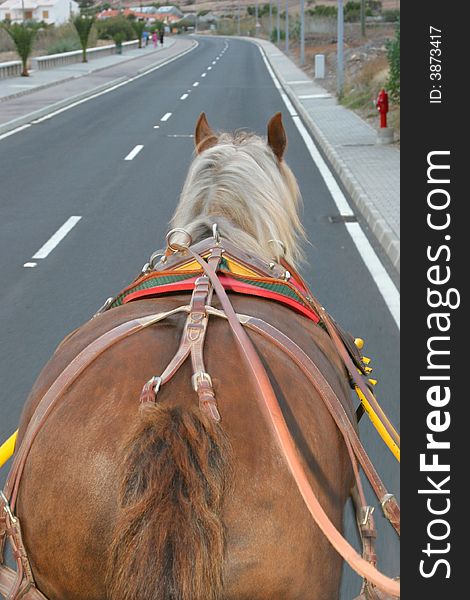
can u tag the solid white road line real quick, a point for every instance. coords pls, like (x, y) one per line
(8, 133)
(184, 96)
(166, 117)
(58, 236)
(134, 152)
(382, 279)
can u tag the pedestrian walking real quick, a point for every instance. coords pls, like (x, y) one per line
(161, 35)
(154, 38)
(146, 37)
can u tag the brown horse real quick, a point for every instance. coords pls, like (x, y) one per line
(119, 502)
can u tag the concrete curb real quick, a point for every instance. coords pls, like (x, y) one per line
(50, 108)
(378, 225)
(38, 88)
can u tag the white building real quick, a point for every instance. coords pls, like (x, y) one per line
(49, 11)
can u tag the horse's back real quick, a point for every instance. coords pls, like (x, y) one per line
(69, 493)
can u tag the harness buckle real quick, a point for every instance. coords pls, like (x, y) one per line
(198, 377)
(366, 512)
(384, 502)
(104, 307)
(6, 508)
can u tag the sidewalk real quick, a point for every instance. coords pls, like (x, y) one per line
(370, 172)
(23, 99)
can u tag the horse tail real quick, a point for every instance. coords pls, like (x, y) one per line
(168, 541)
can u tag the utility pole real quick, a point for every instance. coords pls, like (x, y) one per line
(270, 19)
(302, 32)
(287, 25)
(278, 22)
(363, 18)
(238, 24)
(339, 51)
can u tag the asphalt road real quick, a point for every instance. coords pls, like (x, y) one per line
(73, 165)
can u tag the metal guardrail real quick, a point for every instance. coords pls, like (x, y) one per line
(13, 68)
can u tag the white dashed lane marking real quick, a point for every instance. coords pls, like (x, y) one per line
(53, 241)
(134, 152)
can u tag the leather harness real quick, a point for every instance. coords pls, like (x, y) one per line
(208, 255)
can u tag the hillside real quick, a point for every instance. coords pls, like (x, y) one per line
(228, 7)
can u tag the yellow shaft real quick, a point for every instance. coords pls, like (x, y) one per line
(394, 448)
(7, 449)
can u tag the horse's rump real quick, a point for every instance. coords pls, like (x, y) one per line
(87, 432)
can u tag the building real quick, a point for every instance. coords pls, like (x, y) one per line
(169, 14)
(49, 11)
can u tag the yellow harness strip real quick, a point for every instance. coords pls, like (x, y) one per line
(7, 448)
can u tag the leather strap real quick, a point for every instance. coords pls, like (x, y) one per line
(275, 419)
(192, 343)
(339, 343)
(335, 408)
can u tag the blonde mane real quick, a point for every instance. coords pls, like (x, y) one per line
(252, 197)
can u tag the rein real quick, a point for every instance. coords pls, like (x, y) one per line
(21, 584)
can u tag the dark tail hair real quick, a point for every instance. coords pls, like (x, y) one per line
(169, 538)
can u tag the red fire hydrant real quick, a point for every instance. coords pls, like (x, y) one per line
(382, 107)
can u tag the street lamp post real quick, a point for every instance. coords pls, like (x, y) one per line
(270, 18)
(302, 32)
(238, 23)
(287, 25)
(278, 21)
(363, 18)
(339, 51)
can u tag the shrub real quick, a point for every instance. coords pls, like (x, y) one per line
(282, 34)
(108, 28)
(64, 45)
(393, 55)
(323, 11)
(391, 15)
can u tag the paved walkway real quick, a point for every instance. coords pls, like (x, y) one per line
(370, 172)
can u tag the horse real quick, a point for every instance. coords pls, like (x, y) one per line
(121, 501)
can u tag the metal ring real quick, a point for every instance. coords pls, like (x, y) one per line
(153, 258)
(279, 243)
(178, 247)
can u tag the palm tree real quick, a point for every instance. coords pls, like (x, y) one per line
(23, 37)
(83, 25)
(139, 27)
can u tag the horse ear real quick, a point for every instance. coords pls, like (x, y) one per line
(277, 139)
(204, 137)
